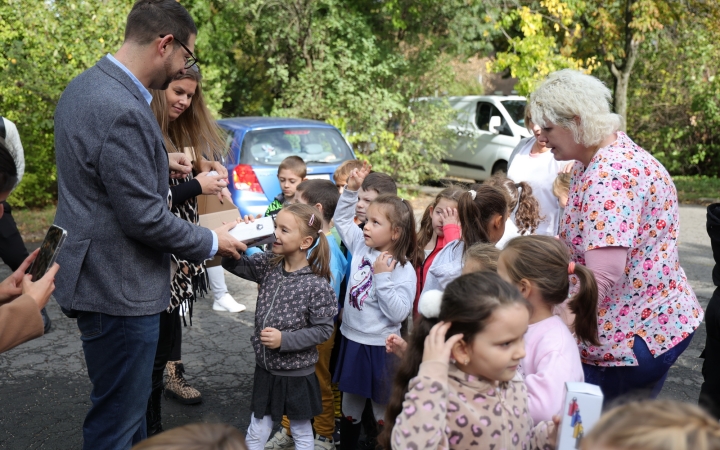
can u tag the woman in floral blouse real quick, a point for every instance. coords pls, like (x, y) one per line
(621, 221)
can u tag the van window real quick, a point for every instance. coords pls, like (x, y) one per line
(483, 114)
(516, 109)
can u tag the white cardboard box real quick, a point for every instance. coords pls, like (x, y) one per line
(260, 232)
(581, 411)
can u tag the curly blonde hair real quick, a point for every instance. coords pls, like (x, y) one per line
(569, 94)
(655, 425)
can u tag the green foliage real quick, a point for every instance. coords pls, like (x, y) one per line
(698, 189)
(43, 45)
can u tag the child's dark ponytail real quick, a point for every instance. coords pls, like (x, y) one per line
(544, 261)
(521, 200)
(476, 208)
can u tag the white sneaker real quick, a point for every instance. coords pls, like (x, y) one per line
(323, 443)
(280, 441)
(228, 303)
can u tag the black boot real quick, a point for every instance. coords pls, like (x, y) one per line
(350, 433)
(153, 416)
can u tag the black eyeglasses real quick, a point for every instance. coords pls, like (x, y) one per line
(189, 60)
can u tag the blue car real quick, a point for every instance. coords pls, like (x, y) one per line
(259, 144)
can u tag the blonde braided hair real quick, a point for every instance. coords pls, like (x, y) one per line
(655, 425)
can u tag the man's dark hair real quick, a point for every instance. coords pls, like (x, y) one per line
(148, 19)
(8, 169)
(320, 191)
(379, 182)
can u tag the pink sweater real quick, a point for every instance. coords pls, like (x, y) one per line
(552, 358)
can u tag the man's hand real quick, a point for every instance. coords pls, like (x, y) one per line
(40, 290)
(271, 338)
(11, 287)
(180, 165)
(227, 245)
(357, 176)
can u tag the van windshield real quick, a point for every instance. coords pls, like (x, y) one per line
(516, 109)
(313, 145)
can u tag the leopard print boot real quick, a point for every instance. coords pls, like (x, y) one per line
(176, 387)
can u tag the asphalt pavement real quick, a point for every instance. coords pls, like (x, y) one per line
(44, 389)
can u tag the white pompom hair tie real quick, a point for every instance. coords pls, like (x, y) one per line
(429, 304)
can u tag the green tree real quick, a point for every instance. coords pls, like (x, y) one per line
(44, 45)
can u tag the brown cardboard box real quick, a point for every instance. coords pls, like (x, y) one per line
(213, 214)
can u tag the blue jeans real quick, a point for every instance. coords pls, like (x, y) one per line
(642, 381)
(119, 353)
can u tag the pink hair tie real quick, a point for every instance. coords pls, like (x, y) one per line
(571, 268)
(312, 220)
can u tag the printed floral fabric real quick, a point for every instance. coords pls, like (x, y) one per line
(626, 198)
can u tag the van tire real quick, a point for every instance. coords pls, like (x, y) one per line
(500, 166)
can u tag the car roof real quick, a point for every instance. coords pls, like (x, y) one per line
(254, 123)
(487, 97)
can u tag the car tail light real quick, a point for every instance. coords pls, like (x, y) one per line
(244, 179)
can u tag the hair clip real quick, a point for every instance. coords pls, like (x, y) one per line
(473, 194)
(320, 231)
(312, 220)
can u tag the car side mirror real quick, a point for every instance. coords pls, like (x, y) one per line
(495, 124)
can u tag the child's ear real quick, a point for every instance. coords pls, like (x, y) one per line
(395, 234)
(319, 207)
(307, 242)
(525, 287)
(460, 352)
(498, 221)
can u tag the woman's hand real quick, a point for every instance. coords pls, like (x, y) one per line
(436, 347)
(11, 287)
(449, 216)
(383, 263)
(41, 289)
(211, 184)
(217, 166)
(357, 176)
(179, 164)
(271, 338)
(396, 345)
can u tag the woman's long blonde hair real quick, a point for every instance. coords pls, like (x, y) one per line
(195, 128)
(655, 425)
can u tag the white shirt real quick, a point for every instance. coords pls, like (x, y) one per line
(12, 139)
(539, 171)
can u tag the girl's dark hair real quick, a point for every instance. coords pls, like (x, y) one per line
(468, 302)
(319, 258)
(425, 234)
(544, 261)
(475, 215)
(8, 169)
(520, 195)
(401, 216)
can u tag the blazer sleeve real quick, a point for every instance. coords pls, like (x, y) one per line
(20, 321)
(128, 169)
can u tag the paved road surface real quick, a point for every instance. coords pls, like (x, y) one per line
(44, 390)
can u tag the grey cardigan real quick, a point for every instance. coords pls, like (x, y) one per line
(112, 199)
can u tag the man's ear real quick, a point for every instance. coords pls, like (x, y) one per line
(164, 45)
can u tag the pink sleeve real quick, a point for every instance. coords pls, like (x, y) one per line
(451, 232)
(608, 265)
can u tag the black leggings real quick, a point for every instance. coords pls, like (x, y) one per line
(168, 344)
(12, 247)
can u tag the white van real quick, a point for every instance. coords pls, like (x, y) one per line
(488, 128)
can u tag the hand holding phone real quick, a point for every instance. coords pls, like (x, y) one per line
(48, 252)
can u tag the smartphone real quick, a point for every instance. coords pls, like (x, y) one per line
(48, 252)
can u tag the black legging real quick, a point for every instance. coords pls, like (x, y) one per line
(12, 247)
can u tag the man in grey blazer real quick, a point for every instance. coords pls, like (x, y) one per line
(113, 201)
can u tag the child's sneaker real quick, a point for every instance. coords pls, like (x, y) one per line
(323, 443)
(336, 433)
(281, 441)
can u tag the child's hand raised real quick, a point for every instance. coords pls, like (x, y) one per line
(384, 263)
(357, 176)
(396, 345)
(271, 338)
(436, 347)
(449, 216)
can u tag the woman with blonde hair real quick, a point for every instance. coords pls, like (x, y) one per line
(188, 127)
(654, 425)
(621, 222)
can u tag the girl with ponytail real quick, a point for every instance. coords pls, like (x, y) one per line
(482, 212)
(464, 352)
(539, 267)
(295, 310)
(523, 208)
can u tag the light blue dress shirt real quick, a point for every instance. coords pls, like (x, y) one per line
(148, 97)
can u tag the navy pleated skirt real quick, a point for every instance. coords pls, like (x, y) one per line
(365, 370)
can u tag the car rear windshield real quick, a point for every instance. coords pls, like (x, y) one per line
(313, 145)
(516, 109)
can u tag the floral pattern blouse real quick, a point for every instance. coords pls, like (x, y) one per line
(626, 198)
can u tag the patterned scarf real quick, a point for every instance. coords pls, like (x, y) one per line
(189, 280)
